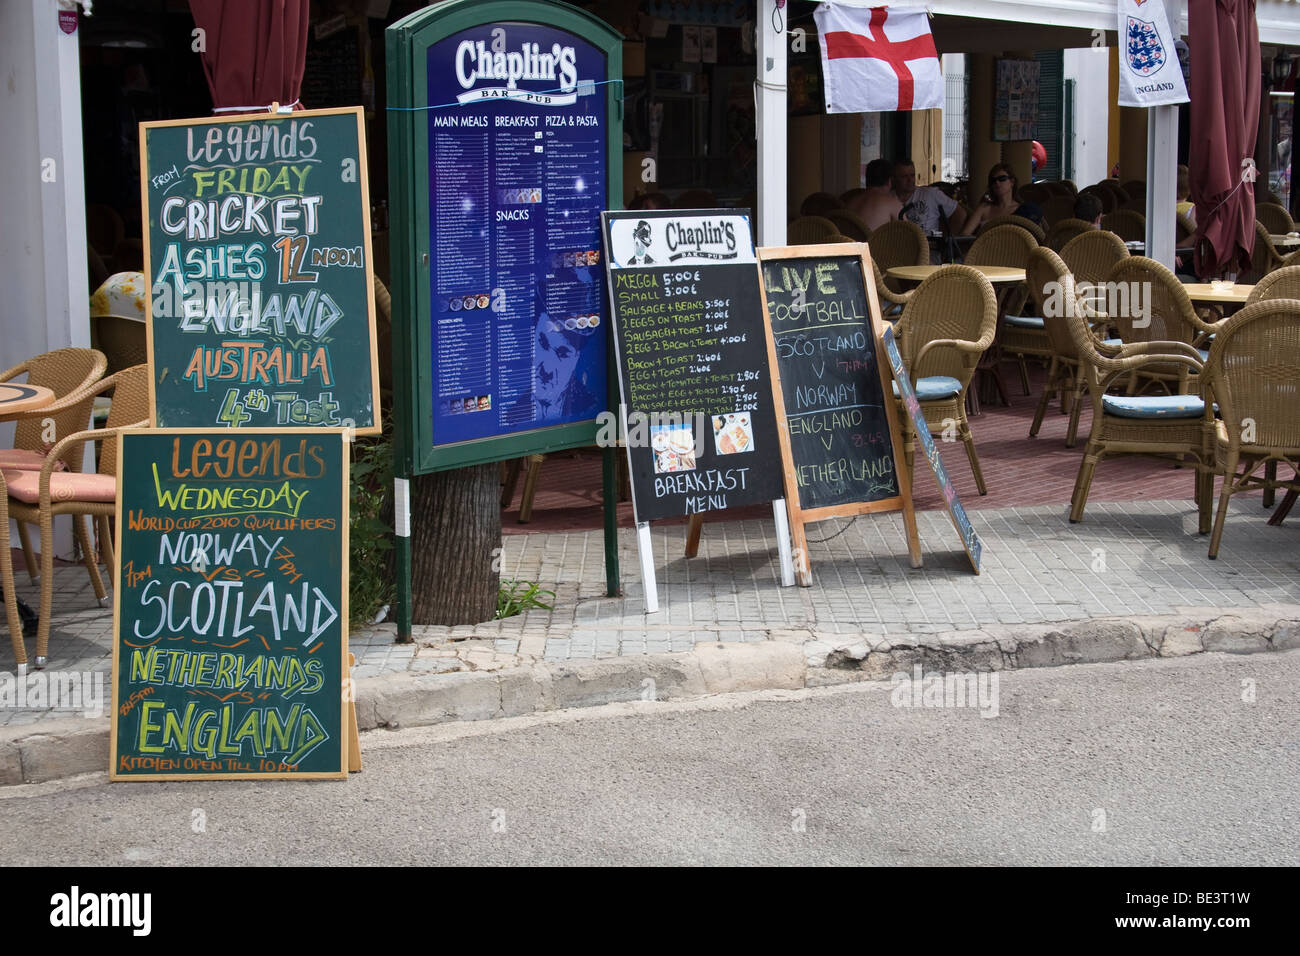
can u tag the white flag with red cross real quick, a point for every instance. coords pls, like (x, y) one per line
(876, 59)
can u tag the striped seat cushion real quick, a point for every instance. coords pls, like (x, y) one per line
(64, 486)
(1025, 322)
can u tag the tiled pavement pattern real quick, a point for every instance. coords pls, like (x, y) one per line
(1125, 558)
(1018, 470)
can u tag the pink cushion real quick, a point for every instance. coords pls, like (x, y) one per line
(22, 458)
(64, 486)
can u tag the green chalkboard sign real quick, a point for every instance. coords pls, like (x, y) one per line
(230, 623)
(257, 250)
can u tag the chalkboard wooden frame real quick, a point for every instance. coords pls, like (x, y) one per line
(363, 181)
(347, 739)
(800, 516)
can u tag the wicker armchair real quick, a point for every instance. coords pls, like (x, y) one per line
(1108, 201)
(1128, 225)
(1045, 276)
(1281, 283)
(1184, 229)
(1133, 425)
(948, 323)
(891, 302)
(807, 230)
(1169, 316)
(1291, 260)
(1092, 255)
(1064, 231)
(847, 224)
(7, 582)
(1031, 227)
(70, 374)
(36, 497)
(1252, 376)
(899, 243)
(1004, 245)
(1274, 218)
(1264, 259)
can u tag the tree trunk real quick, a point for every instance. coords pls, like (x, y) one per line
(455, 544)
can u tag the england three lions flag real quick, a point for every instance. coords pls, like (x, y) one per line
(1149, 73)
(878, 59)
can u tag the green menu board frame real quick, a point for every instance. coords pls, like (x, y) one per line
(408, 43)
(248, 532)
(257, 253)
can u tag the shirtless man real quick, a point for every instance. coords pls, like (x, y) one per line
(876, 205)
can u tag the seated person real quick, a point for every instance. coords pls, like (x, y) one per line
(999, 200)
(1088, 208)
(876, 205)
(927, 206)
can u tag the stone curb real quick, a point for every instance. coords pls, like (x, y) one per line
(54, 749)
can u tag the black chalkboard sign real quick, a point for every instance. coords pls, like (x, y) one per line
(700, 422)
(839, 421)
(230, 619)
(257, 252)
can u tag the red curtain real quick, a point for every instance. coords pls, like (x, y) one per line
(254, 51)
(1223, 40)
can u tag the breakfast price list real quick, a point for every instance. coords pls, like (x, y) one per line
(701, 426)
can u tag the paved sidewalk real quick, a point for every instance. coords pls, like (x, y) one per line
(1125, 559)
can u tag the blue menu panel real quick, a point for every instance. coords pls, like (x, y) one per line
(517, 150)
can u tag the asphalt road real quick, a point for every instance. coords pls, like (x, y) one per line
(1162, 762)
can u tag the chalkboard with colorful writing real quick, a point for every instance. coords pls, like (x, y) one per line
(230, 618)
(839, 427)
(257, 249)
(701, 427)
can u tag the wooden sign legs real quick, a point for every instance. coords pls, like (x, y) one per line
(354, 736)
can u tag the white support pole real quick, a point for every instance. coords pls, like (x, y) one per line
(646, 552)
(783, 550)
(772, 149)
(1162, 180)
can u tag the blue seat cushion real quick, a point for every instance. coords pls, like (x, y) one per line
(1025, 322)
(1116, 342)
(1153, 406)
(931, 388)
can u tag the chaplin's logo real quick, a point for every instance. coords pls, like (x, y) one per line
(476, 62)
(1146, 54)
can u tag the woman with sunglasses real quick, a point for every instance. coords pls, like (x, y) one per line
(1000, 200)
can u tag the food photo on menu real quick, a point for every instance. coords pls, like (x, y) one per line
(674, 448)
(733, 433)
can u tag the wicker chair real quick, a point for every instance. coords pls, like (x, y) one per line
(1059, 208)
(69, 373)
(1092, 255)
(1170, 317)
(948, 323)
(1252, 376)
(37, 497)
(848, 224)
(1064, 231)
(1184, 230)
(1063, 375)
(1108, 201)
(807, 230)
(1136, 189)
(891, 302)
(1004, 245)
(1128, 225)
(1281, 283)
(1291, 260)
(1274, 217)
(1264, 259)
(1130, 425)
(1031, 227)
(898, 243)
(7, 582)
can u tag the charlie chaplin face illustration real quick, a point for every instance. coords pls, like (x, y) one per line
(641, 237)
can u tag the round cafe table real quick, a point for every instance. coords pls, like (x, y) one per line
(1004, 279)
(17, 399)
(1205, 292)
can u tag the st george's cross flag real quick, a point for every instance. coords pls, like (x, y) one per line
(877, 59)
